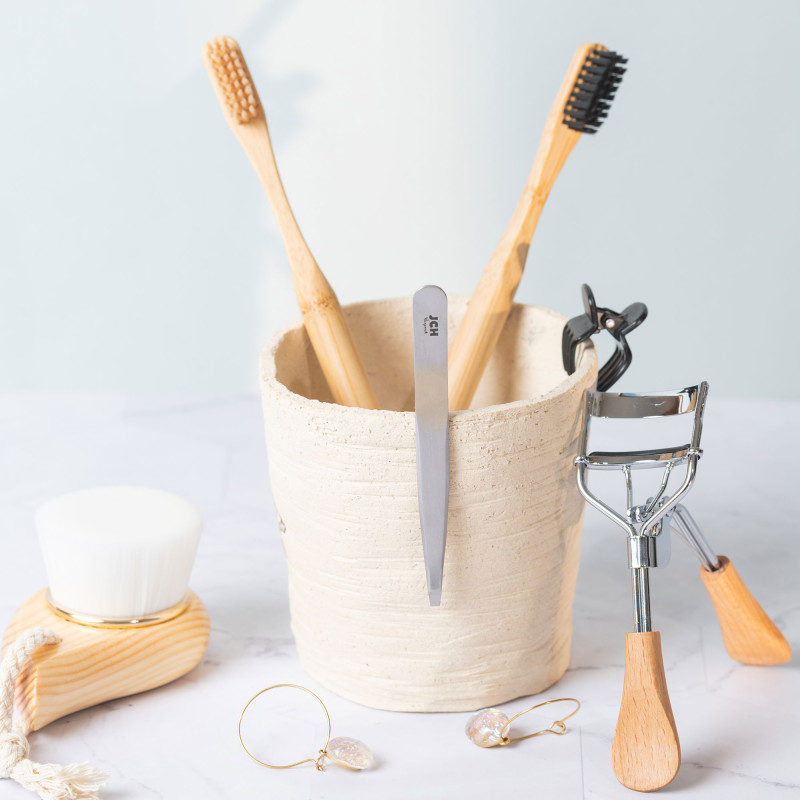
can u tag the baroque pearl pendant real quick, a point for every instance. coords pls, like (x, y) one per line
(349, 753)
(485, 728)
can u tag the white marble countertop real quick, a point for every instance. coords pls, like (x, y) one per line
(738, 725)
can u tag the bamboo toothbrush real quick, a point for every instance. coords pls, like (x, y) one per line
(330, 337)
(580, 107)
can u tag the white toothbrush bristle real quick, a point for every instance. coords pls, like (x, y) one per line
(118, 552)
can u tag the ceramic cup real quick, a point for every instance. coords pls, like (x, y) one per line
(345, 485)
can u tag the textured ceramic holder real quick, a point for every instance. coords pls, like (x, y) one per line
(345, 485)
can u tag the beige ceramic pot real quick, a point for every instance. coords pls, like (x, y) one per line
(345, 485)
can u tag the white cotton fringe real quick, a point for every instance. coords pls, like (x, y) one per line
(345, 485)
(49, 781)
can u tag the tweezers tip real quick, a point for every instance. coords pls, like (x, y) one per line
(435, 597)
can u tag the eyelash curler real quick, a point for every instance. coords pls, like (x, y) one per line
(646, 750)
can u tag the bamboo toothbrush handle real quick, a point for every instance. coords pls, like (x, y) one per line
(491, 302)
(330, 337)
(646, 753)
(750, 636)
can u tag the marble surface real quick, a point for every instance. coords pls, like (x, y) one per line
(738, 725)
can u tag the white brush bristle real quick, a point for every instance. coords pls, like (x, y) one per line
(118, 552)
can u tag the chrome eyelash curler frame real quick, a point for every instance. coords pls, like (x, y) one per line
(646, 749)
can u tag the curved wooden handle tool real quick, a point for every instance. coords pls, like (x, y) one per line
(580, 106)
(330, 337)
(646, 753)
(750, 636)
(93, 665)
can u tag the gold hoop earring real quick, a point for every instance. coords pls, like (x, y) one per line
(342, 750)
(489, 727)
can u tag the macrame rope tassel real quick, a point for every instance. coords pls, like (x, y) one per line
(49, 781)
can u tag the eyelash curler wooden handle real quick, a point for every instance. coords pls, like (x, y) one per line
(646, 752)
(750, 636)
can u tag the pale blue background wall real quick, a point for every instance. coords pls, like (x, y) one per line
(139, 254)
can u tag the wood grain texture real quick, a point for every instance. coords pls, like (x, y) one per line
(327, 329)
(93, 665)
(344, 482)
(750, 636)
(646, 753)
(491, 302)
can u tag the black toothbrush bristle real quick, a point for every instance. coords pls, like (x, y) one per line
(594, 90)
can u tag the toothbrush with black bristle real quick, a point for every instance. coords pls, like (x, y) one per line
(580, 107)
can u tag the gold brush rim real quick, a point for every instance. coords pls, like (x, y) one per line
(155, 618)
